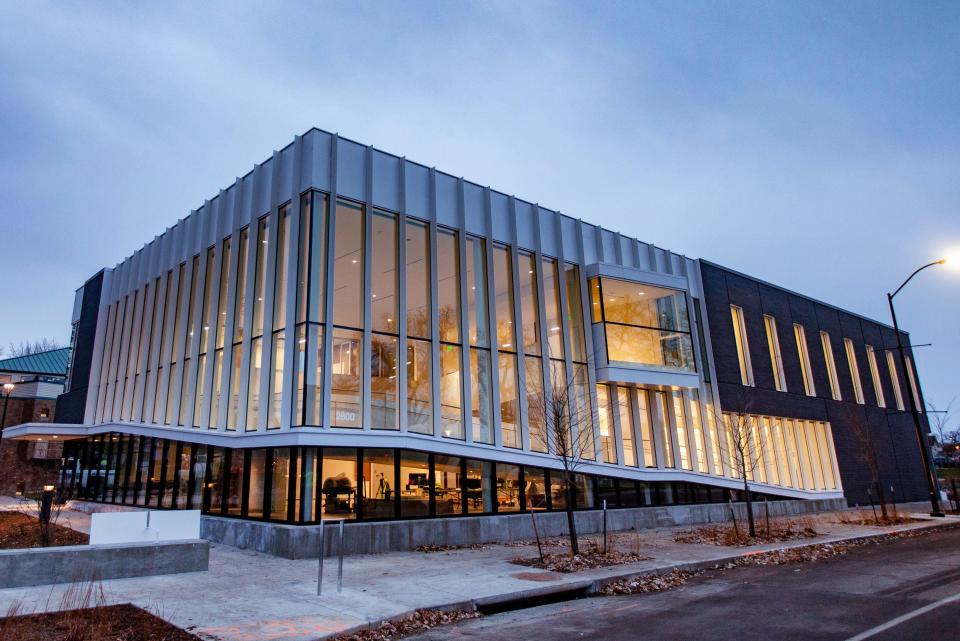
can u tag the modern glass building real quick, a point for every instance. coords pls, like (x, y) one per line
(344, 333)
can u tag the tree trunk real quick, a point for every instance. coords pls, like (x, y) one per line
(571, 522)
(882, 498)
(746, 496)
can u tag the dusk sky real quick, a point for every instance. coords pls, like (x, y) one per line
(814, 145)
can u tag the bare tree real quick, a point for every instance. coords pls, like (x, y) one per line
(867, 452)
(25, 348)
(32, 505)
(941, 421)
(565, 419)
(743, 448)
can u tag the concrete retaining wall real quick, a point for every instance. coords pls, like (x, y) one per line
(303, 541)
(66, 564)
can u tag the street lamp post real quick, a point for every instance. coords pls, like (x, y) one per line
(7, 389)
(914, 410)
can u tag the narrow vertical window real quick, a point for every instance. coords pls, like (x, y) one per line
(913, 385)
(680, 421)
(626, 426)
(605, 415)
(509, 400)
(384, 409)
(646, 430)
(571, 279)
(776, 360)
(448, 285)
(551, 302)
(666, 434)
(418, 279)
(451, 392)
(801, 336)
(480, 403)
(699, 443)
(875, 376)
(831, 366)
(529, 305)
(536, 416)
(256, 330)
(476, 278)
(348, 265)
(895, 380)
(419, 387)
(854, 370)
(743, 348)
(384, 276)
(506, 344)
(345, 373)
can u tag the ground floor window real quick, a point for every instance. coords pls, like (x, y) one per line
(310, 484)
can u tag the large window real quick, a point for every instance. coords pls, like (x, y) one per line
(643, 324)
(348, 265)
(831, 366)
(345, 376)
(776, 360)
(801, 336)
(418, 279)
(875, 376)
(854, 369)
(743, 347)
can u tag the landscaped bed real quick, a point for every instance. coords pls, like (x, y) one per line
(737, 536)
(102, 623)
(18, 530)
(621, 548)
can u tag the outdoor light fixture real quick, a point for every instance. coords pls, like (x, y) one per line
(952, 260)
(48, 488)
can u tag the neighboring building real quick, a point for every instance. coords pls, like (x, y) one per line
(343, 333)
(38, 380)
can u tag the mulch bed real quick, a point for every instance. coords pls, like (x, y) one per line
(565, 562)
(414, 623)
(103, 623)
(729, 536)
(18, 530)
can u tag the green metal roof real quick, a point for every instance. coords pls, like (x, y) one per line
(51, 363)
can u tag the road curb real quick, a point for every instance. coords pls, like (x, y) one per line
(591, 587)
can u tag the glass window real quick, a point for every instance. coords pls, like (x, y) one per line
(699, 443)
(200, 388)
(605, 415)
(479, 486)
(680, 418)
(234, 407)
(875, 376)
(477, 292)
(529, 307)
(280, 282)
(646, 430)
(419, 388)
(607, 489)
(383, 280)
(276, 381)
(551, 302)
(508, 488)
(384, 385)
(895, 380)
(509, 400)
(584, 487)
(535, 488)
(313, 254)
(451, 393)
(183, 475)
(913, 385)
(258, 477)
(536, 417)
(348, 265)
(243, 249)
(666, 435)
(339, 486)
(801, 337)
(769, 450)
(780, 452)
(345, 363)
(626, 426)
(308, 375)
(206, 319)
(214, 484)
(418, 279)
(583, 413)
(280, 483)
(235, 482)
(831, 366)
(743, 347)
(218, 382)
(448, 285)
(776, 361)
(481, 399)
(854, 370)
(503, 287)
(414, 484)
(379, 500)
(447, 474)
(559, 490)
(574, 313)
(260, 276)
(253, 388)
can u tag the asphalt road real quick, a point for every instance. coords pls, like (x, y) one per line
(870, 593)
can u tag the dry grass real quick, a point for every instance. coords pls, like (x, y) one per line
(18, 530)
(84, 616)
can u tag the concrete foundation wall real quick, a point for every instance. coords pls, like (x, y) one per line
(303, 541)
(66, 564)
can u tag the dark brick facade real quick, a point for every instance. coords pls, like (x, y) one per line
(892, 432)
(19, 469)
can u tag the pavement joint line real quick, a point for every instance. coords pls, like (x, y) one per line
(592, 586)
(903, 618)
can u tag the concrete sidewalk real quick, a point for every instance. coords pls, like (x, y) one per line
(247, 596)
